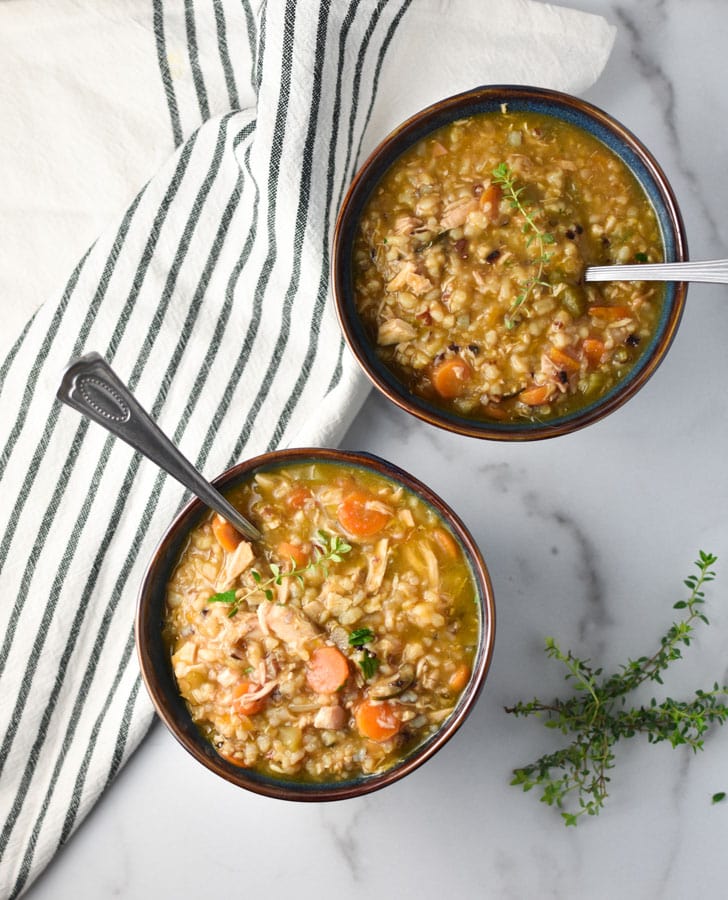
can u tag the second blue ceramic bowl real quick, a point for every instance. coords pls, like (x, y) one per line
(518, 99)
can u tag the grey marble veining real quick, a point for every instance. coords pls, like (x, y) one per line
(587, 538)
(343, 825)
(648, 28)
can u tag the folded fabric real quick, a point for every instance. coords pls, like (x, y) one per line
(209, 296)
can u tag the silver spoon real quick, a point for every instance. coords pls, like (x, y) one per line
(91, 386)
(710, 270)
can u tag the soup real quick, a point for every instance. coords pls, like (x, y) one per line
(336, 645)
(468, 268)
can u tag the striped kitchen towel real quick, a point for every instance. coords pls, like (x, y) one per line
(209, 294)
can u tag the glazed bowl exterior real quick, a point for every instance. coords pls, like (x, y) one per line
(490, 99)
(154, 657)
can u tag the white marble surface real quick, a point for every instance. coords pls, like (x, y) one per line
(587, 538)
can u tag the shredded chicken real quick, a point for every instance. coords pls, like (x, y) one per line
(433, 569)
(457, 212)
(288, 623)
(405, 516)
(234, 564)
(246, 624)
(380, 507)
(553, 373)
(480, 279)
(331, 718)
(263, 691)
(395, 331)
(407, 277)
(262, 620)
(377, 566)
(261, 673)
(406, 224)
(282, 590)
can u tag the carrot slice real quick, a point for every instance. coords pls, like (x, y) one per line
(232, 759)
(459, 678)
(494, 411)
(298, 497)
(450, 377)
(248, 707)
(611, 313)
(356, 515)
(564, 360)
(593, 350)
(536, 395)
(293, 552)
(377, 721)
(445, 542)
(327, 670)
(490, 201)
(227, 536)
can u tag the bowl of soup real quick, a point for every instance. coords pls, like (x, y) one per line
(459, 255)
(335, 655)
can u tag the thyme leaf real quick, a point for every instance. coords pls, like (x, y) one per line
(575, 778)
(224, 597)
(503, 176)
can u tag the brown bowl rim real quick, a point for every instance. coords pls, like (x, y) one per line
(167, 701)
(483, 429)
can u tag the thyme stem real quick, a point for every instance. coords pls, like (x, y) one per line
(330, 549)
(503, 176)
(597, 718)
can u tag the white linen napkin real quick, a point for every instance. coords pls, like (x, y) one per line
(208, 293)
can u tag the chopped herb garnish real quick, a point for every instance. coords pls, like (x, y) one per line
(368, 661)
(640, 257)
(361, 636)
(720, 796)
(331, 548)
(368, 664)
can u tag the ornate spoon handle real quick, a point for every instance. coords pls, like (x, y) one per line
(90, 386)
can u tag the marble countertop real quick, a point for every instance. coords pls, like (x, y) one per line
(588, 539)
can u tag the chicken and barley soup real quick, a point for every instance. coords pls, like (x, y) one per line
(337, 644)
(468, 264)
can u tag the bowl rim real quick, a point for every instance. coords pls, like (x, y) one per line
(158, 684)
(366, 178)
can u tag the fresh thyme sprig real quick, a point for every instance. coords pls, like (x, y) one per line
(330, 549)
(503, 176)
(577, 776)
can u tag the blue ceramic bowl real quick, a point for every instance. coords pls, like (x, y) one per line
(489, 99)
(155, 661)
